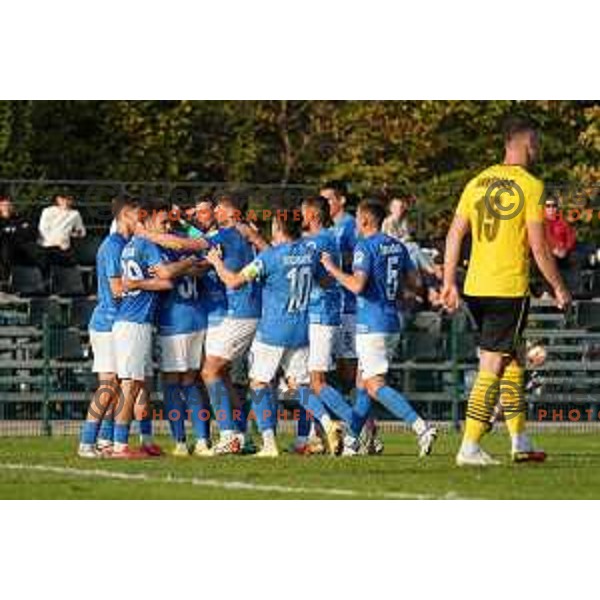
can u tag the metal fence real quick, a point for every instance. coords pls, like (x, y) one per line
(581, 203)
(46, 380)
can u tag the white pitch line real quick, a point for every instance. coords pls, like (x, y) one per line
(220, 484)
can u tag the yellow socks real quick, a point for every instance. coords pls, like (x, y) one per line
(512, 398)
(482, 401)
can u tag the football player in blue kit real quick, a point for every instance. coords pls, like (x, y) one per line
(324, 316)
(381, 268)
(233, 315)
(143, 265)
(110, 290)
(344, 229)
(181, 333)
(285, 271)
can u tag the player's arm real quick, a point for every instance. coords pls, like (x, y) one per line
(252, 235)
(175, 269)
(116, 287)
(160, 280)
(199, 269)
(546, 263)
(354, 282)
(154, 284)
(175, 242)
(458, 230)
(231, 279)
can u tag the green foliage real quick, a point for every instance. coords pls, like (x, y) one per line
(431, 147)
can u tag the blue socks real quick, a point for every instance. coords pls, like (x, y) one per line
(303, 425)
(360, 413)
(175, 409)
(146, 429)
(122, 433)
(336, 403)
(397, 404)
(199, 411)
(312, 403)
(240, 417)
(89, 432)
(263, 405)
(219, 398)
(107, 429)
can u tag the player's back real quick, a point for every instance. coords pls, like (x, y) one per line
(344, 230)
(213, 295)
(244, 302)
(139, 306)
(325, 302)
(108, 266)
(287, 273)
(180, 310)
(386, 262)
(498, 203)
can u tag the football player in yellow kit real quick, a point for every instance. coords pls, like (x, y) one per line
(502, 208)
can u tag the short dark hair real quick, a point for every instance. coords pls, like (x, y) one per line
(375, 209)
(151, 206)
(514, 126)
(321, 206)
(124, 201)
(339, 187)
(236, 200)
(288, 224)
(55, 197)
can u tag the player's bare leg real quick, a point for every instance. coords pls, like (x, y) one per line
(103, 399)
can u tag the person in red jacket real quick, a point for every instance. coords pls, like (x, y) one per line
(559, 234)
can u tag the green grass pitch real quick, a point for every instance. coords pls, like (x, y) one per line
(47, 468)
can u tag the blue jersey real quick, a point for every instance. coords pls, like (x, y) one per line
(286, 274)
(139, 306)
(242, 303)
(325, 302)
(108, 266)
(345, 233)
(180, 310)
(386, 262)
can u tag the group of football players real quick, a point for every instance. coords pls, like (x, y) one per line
(321, 294)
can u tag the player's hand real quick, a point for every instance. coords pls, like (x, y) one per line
(450, 297)
(140, 230)
(327, 261)
(562, 298)
(247, 230)
(129, 285)
(214, 256)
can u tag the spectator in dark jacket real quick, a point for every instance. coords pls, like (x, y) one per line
(17, 239)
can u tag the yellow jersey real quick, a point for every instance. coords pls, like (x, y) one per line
(498, 203)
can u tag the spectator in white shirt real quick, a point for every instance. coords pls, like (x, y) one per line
(60, 223)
